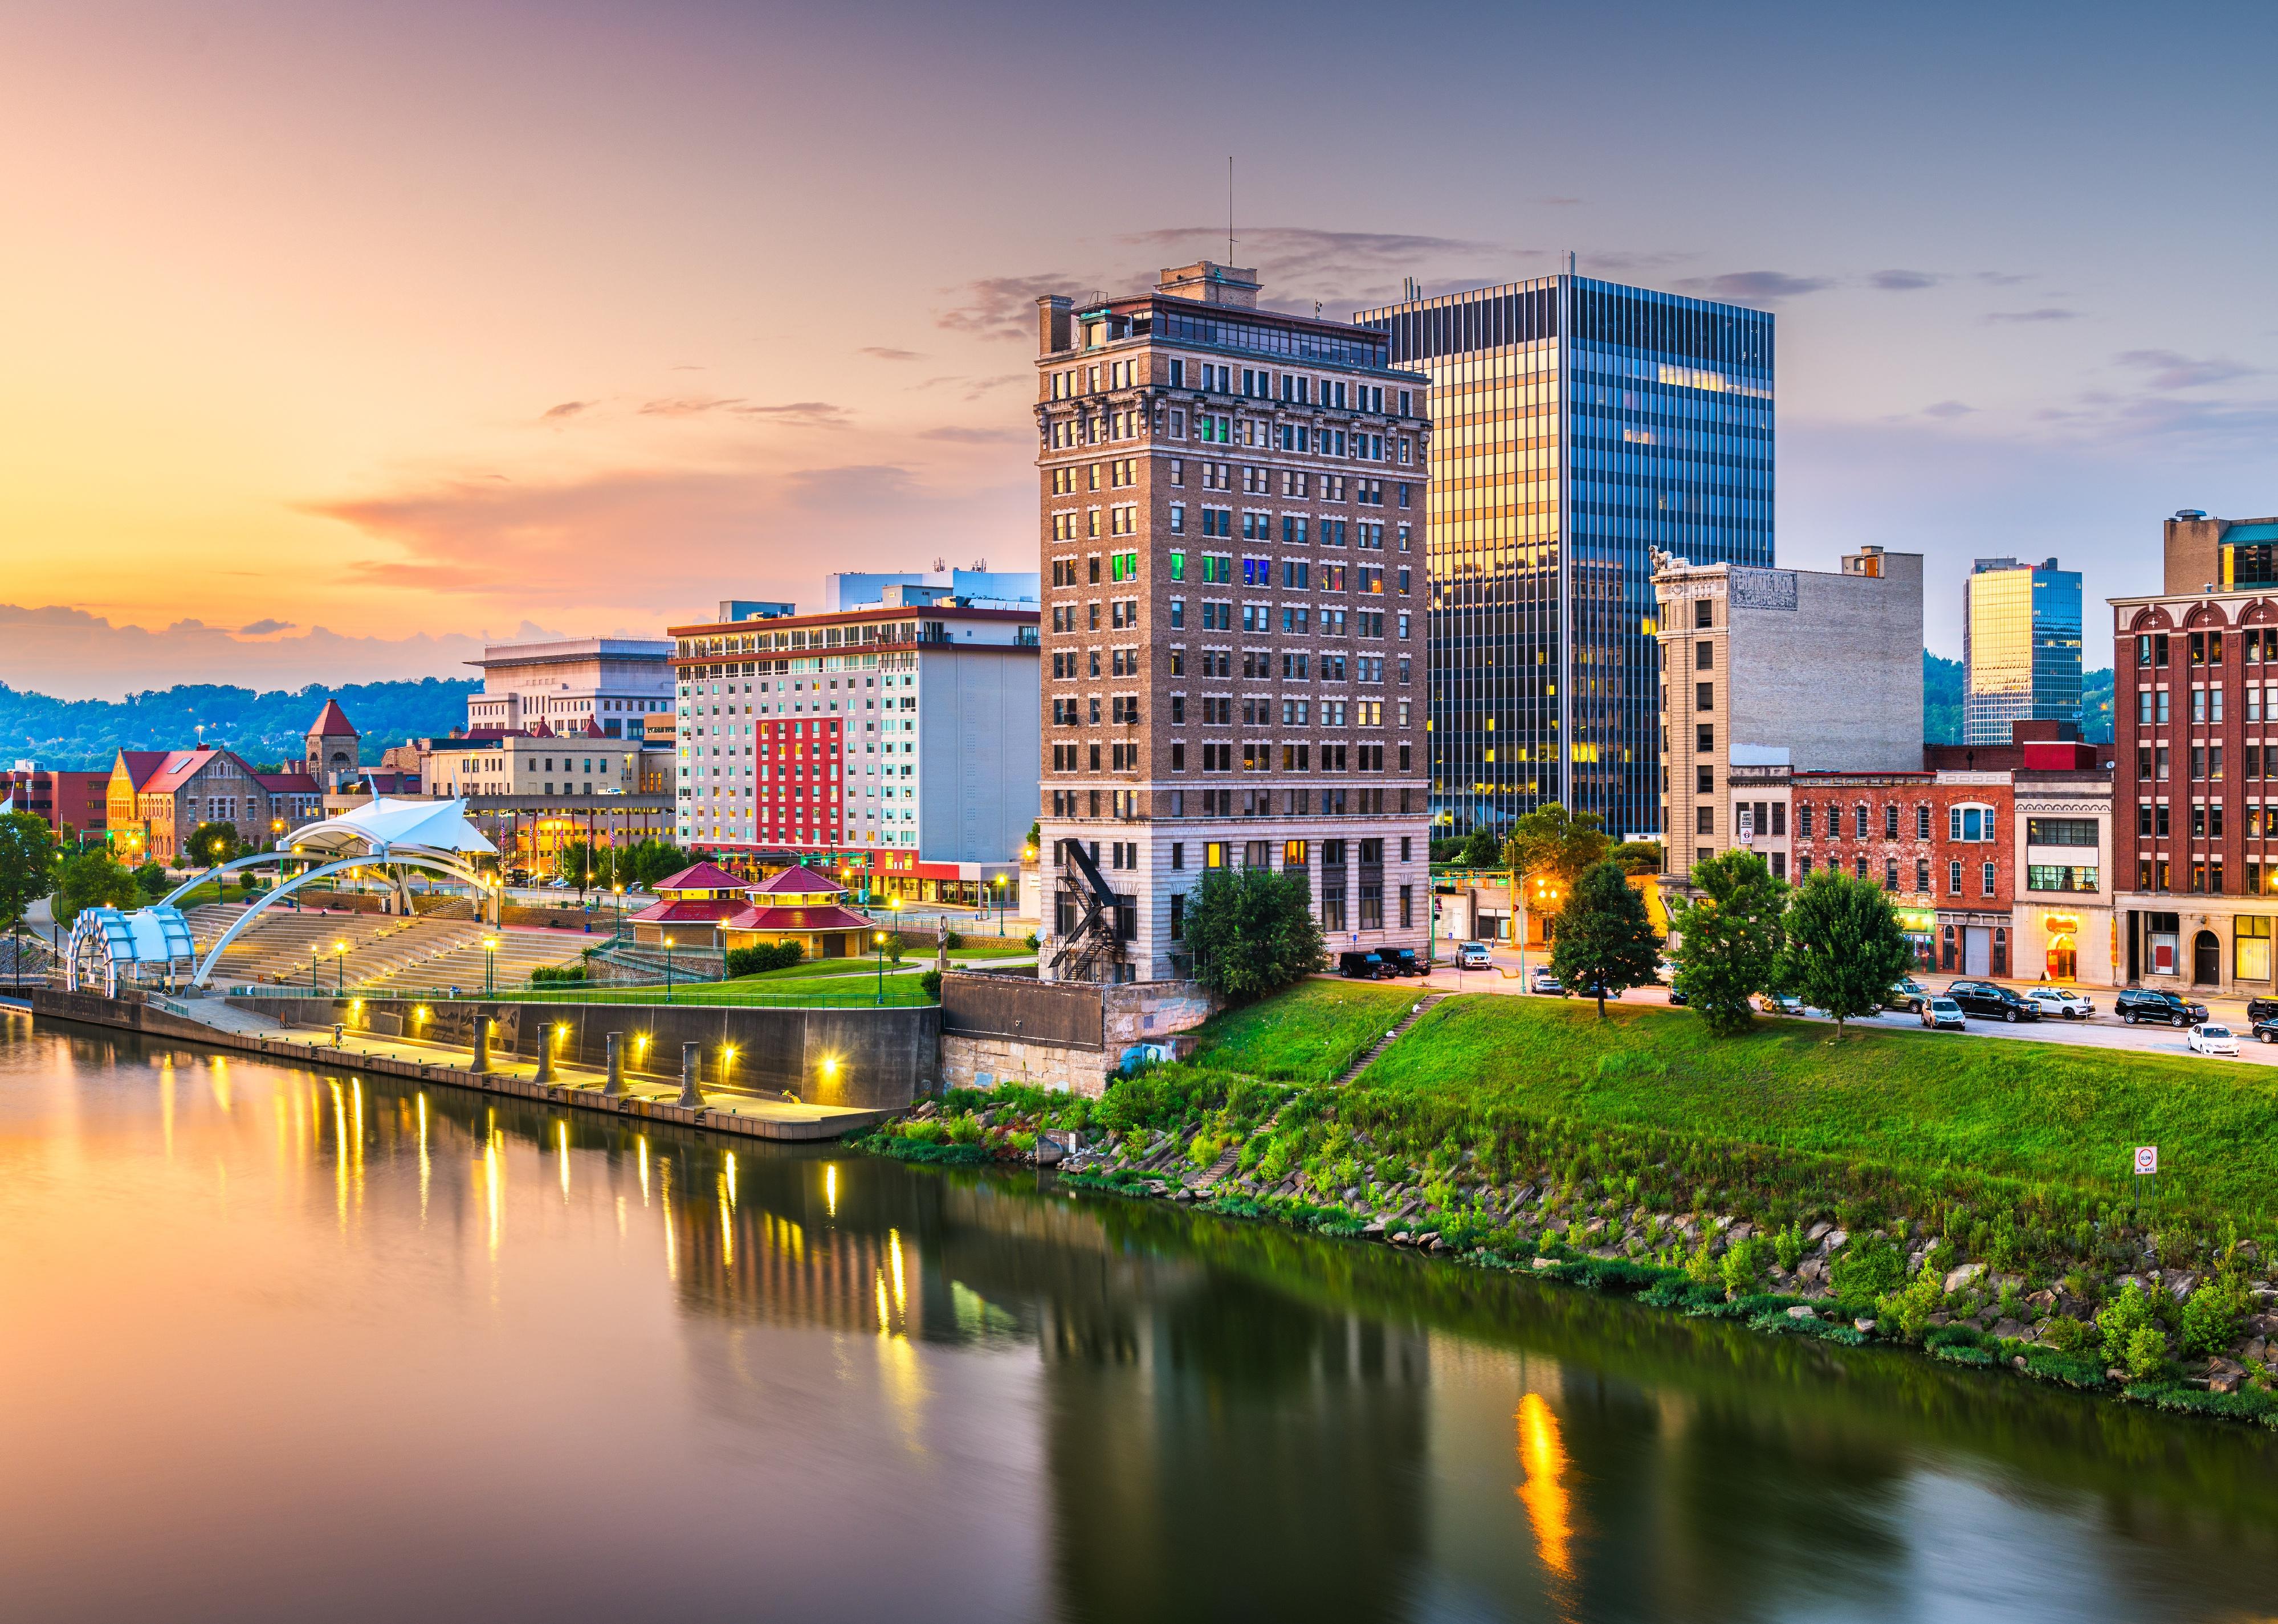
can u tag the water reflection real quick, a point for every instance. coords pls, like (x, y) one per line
(851, 1388)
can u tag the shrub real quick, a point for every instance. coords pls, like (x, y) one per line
(1868, 1268)
(930, 980)
(2211, 1315)
(953, 941)
(1787, 1245)
(1252, 932)
(2147, 1353)
(2065, 1334)
(1908, 1309)
(768, 955)
(1032, 941)
(1742, 1263)
(2120, 1319)
(965, 1130)
(555, 974)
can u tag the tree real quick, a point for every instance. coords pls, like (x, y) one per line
(92, 879)
(151, 881)
(1605, 941)
(1482, 847)
(1844, 946)
(210, 846)
(1252, 932)
(1639, 856)
(1727, 941)
(28, 864)
(1551, 841)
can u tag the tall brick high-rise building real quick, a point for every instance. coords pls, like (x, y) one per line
(1230, 506)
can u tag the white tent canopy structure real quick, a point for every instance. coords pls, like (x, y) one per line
(391, 834)
(105, 943)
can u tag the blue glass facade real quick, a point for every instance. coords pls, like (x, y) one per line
(2021, 647)
(1578, 426)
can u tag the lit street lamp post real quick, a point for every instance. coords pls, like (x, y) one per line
(620, 890)
(339, 967)
(668, 970)
(1000, 904)
(490, 963)
(879, 938)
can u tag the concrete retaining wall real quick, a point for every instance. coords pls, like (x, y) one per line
(862, 1059)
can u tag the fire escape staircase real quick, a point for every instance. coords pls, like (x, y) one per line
(1089, 952)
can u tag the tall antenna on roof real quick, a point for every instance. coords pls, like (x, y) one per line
(1229, 208)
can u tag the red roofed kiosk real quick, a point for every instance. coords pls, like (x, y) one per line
(708, 908)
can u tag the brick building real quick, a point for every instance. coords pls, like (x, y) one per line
(73, 804)
(2195, 715)
(1229, 505)
(155, 799)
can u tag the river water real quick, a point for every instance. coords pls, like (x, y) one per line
(283, 1343)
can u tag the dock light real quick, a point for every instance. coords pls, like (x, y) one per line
(831, 1065)
(419, 1014)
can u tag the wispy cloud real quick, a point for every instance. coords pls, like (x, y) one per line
(264, 629)
(1949, 408)
(2172, 370)
(2047, 313)
(686, 406)
(803, 413)
(1904, 281)
(956, 436)
(880, 351)
(1756, 285)
(1003, 306)
(566, 409)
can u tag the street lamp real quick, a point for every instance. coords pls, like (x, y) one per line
(668, 970)
(620, 889)
(340, 967)
(1000, 904)
(490, 962)
(879, 938)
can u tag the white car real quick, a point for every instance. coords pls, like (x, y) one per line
(2062, 1001)
(2207, 1037)
(1473, 955)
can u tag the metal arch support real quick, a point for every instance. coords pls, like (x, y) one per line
(215, 873)
(439, 865)
(449, 868)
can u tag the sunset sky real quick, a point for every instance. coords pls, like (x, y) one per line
(418, 322)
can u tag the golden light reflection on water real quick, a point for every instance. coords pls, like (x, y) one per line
(493, 1192)
(894, 1252)
(166, 1103)
(426, 1160)
(220, 1081)
(1542, 1456)
(561, 1154)
(830, 1188)
(339, 1153)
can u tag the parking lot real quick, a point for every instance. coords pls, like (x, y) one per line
(2102, 1030)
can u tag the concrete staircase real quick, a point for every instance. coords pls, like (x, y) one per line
(1216, 1171)
(1414, 1015)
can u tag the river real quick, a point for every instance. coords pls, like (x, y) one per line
(285, 1343)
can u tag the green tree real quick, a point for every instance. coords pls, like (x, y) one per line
(1728, 939)
(1843, 947)
(28, 864)
(1252, 932)
(1639, 856)
(1482, 847)
(1551, 841)
(92, 879)
(1605, 941)
(210, 845)
(151, 881)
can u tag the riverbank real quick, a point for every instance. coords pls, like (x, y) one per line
(1961, 1197)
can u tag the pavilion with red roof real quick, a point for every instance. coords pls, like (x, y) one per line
(709, 909)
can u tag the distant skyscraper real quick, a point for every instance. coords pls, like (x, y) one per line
(1580, 424)
(2021, 647)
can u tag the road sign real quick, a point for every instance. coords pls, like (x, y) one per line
(2147, 1160)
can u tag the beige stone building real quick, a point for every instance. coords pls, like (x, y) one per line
(1233, 676)
(1796, 669)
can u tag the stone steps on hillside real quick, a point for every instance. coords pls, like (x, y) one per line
(1415, 1014)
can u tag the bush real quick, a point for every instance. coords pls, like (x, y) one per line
(1252, 932)
(931, 981)
(546, 975)
(1741, 1264)
(952, 940)
(2119, 1321)
(1787, 1245)
(1907, 1310)
(1868, 1268)
(768, 955)
(1032, 941)
(2147, 1353)
(2065, 1334)
(2211, 1317)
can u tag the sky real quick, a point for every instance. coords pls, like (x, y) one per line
(334, 338)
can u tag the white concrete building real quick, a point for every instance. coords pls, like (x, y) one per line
(611, 682)
(877, 728)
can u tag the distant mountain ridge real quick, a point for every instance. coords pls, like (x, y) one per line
(1942, 702)
(85, 735)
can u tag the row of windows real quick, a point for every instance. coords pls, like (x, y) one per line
(2259, 645)
(1295, 620)
(1216, 757)
(1337, 801)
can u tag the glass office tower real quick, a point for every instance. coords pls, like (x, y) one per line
(2020, 648)
(1578, 426)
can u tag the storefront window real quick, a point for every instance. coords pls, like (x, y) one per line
(2250, 954)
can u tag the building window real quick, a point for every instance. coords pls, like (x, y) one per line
(1954, 879)
(1891, 823)
(1921, 875)
(2000, 950)
(1704, 656)
(2250, 960)
(1699, 611)
(1704, 737)
(1862, 869)
(1407, 907)
(1704, 820)
(1704, 696)
(1178, 915)
(1371, 906)
(1859, 825)
(1986, 880)
(1704, 779)
(1890, 873)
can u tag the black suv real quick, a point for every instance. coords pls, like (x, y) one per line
(1984, 998)
(2145, 1004)
(1402, 960)
(2260, 1009)
(1365, 967)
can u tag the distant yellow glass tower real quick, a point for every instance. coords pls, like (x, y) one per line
(2021, 647)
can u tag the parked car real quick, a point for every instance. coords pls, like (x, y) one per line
(1906, 994)
(1364, 967)
(1543, 981)
(2267, 1031)
(1473, 955)
(2260, 1009)
(2074, 1006)
(2146, 1003)
(2207, 1037)
(1403, 961)
(1937, 1010)
(1997, 1003)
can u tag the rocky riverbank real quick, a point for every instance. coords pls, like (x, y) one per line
(2168, 1316)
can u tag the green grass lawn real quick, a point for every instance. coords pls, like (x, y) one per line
(1915, 1100)
(847, 993)
(1308, 1034)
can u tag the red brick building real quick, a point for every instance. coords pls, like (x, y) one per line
(1937, 842)
(73, 804)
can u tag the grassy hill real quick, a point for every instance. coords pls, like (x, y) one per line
(87, 734)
